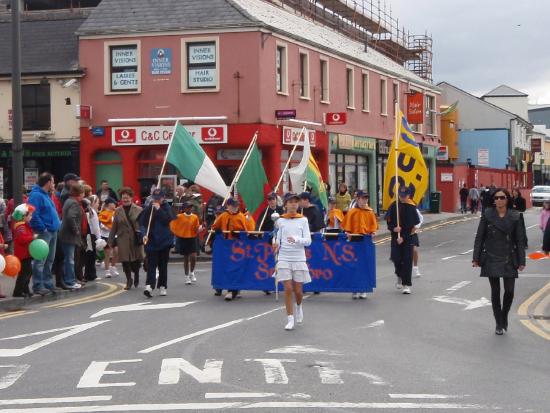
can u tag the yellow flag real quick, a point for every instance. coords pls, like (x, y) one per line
(411, 168)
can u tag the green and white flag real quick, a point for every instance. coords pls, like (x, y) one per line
(193, 163)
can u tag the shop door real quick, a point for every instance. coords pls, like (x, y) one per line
(108, 166)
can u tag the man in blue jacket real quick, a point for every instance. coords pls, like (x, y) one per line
(45, 222)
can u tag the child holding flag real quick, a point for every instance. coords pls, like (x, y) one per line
(291, 268)
(22, 237)
(360, 220)
(186, 228)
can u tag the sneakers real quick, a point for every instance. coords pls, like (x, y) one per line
(163, 291)
(188, 280)
(299, 314)
(75, 286)
(114, 271)
(193, 278)
(108, 273)
(417, 273)
(290, 323)
(218, 293)
(229, 296)
(406, 289)
(355, 296)
(399, 283)
(43, 291)
(148, 292)
(363, 296)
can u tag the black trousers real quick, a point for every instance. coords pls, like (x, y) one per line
(158, 259)
(402, 257)
(90, 272)
(501, 311)
(23, 279)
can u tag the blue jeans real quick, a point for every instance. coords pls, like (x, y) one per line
(42, 269)
(69, 277)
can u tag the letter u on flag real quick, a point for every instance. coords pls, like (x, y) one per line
(411, 167)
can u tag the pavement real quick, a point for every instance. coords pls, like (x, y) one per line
(109, 350)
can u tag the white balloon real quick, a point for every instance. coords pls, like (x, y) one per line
(100, 244)
(2, 263)
(275, 216)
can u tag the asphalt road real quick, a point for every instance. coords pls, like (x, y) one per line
(433, 350)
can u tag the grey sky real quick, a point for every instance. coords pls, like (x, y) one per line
(480, 44)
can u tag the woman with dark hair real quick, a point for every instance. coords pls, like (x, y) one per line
(520, 205)
(128, 237)
(343, 197)
(499, 250)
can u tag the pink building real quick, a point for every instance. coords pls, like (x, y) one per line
(241, 60)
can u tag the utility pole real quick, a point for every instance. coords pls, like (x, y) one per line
(17, 142)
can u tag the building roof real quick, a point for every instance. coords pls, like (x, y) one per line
(504, 91)
(143, 16)
(538, 107)
(48, 43)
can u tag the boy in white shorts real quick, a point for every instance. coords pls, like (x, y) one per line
(289, 244)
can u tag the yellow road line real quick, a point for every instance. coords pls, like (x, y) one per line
(111, 293)
(16, 314)
(522, 310)
(110, 288)
(539, 332)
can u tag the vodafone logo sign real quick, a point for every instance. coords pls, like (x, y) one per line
(336, 118)
(162, 135)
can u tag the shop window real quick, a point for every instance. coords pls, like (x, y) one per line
(383, 97)
(350, 88)
(431, 128)
(201, 65)
(395, 97)
(281, 69)
(324, 81)
(365, 92)
(304, 75)
(122, 67)
(36, 107)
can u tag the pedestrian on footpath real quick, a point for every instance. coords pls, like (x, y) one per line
(45, 222)
(499, 250)
(158, 241)
(520, 204)
(128, 236)
(22, 238)
(402, 232)
(544, 215)
(473, 194)
(291, 268)
(464, 199)
(416, 243)
(343, 198)
(94, 233)
(230, 222)
(360, 220)
(546, 239)
(105, 224)
(186, 228)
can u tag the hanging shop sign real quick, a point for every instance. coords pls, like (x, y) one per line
(162, 135)
(415, 108)
(336, 118)
(442, 153)
(291, 136)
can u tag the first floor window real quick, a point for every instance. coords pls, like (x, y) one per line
(124, 68)
(202, 65)
(36, 107)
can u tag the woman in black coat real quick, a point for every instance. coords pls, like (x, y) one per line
(520, 204)
(500, 252)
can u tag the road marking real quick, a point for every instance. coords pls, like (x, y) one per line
(448, 258)
(97, 369)
(274, 370)
(424, 396)
(469, 305)
(531, 326)
(303, 350)
(245, 405)
(466, 252)
(171, 369)
(378, 323)
(254, 395)
(205, 331)
(69, 331)
(532, 226)
(444, 243)
(14, 373)
(112, 290)
(141, 307)
(16, 314)
(458, 286)
(51, 400)
(524, 307)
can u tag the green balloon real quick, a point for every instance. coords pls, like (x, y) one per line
(39, 249)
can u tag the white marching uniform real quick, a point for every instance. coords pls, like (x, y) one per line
(291, 261)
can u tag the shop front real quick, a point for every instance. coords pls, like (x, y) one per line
(57, 158)
(353, 161)
(382, 153)
(429, 153)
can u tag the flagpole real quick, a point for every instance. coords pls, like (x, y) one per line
(396, 139)
(146, 237)
(286, 167)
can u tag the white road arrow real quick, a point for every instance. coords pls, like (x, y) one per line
(468, 304)
(140, 307)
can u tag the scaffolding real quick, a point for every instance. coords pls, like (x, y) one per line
(370, 22)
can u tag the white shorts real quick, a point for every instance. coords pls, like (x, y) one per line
(296, 271)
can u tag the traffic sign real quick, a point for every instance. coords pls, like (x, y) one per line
(336, 118)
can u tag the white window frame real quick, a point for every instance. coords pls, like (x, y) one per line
(326, 77)
(184, 69)
(305, 87)
(107, 66)
(396, 98)
(350, 88)
(365, 91)
(284, 68)
(383, 96)
(429, 113)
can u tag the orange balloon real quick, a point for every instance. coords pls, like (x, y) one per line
(13, 266)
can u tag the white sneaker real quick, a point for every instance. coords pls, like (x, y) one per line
(229, 296)
(399, 283)
(188, 280)
(114, 271)
(406, 289)
(355, 296)
(148, 292)
(75, 286)
(299, 314)
(417, 273)
(108, 273)
(363, 296)
(193, 278)
(290, 323)
(163, 291)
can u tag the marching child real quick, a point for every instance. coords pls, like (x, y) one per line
(360, 220)
(335, 217)
(186, 228)
(22, 237)
(105, 224)
(291, 268)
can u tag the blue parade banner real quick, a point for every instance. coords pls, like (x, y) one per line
(335, 264)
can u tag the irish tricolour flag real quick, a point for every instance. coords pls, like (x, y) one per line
(193, 163)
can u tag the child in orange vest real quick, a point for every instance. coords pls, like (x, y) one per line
(105, 224)
(360, 220)
(186, 228)
(22, 237)
(335, 217)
